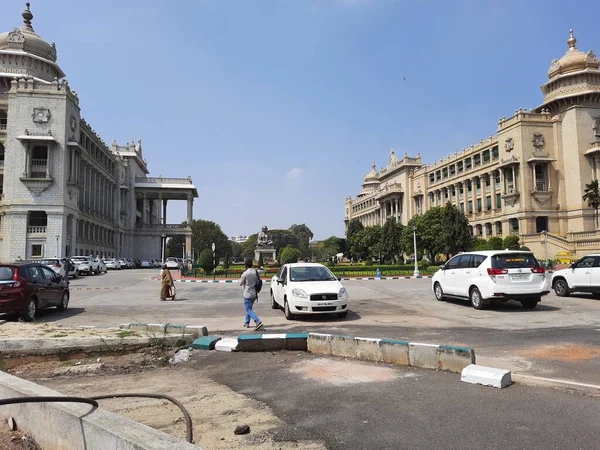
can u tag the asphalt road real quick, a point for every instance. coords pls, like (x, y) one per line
(558, 339)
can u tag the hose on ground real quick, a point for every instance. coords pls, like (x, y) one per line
(189, 435)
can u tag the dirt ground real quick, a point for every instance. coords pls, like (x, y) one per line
(14, 440)
(33, 330)
(215, 409)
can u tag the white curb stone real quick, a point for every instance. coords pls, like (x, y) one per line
(273, 336)
(487, 376)
(227, 345)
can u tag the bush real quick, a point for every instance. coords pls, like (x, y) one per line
(525, 249)
(511, 242)
(226, 262)
(495, 243)
(289, 255)
(480, 244)
(205, 260)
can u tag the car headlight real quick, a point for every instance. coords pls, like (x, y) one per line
(299, 293)
(343, 294)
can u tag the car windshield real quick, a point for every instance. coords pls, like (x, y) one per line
(172, 259)
(311, 273)
(79, 259)
(6, 273)
(514, 261)
(48, 262)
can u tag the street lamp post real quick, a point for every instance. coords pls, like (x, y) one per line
(183, 251)
(162, 246)
(416, 273)
(545, 234)
(57, 252)
(214, 262)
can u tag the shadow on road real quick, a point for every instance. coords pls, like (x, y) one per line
(51, 314)
(510, 306)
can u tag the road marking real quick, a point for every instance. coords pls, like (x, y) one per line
(555, 380)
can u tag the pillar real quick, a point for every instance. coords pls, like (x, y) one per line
(188, 246)
(493, 189)
(534, 180)
(144, 209)
(190, 209)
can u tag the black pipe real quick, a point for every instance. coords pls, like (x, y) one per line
(10, 401)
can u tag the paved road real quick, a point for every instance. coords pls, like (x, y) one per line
(559, 339)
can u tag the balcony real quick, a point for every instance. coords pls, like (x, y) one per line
(511, 195)
(542, 193)
(36, 230)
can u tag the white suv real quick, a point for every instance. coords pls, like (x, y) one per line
(500, 275)
(581, 276)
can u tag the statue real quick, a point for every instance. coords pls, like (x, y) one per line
(263, 238)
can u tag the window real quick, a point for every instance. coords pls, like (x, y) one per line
(477, 160)
(470, 206)
(486, 156)
(467, 163)
(497, 177)
(37, 250)
(39, 161)
(452, 170)
(48, 273)
(476, 260)
(438, 175)
(495, 153)
(462, 207)
(459, 166)
(1, 153)
(461, 188)
(432, 178)
(478, 183)
(488, 203)
(465, 262)
(445, 172)
(586, 262)
(488, 180)
(514, 261)
(469, 185)
(498, 201)
(453, 263)
(478, 205)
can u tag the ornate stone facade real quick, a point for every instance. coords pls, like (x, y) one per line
(63, 190)
(526, 179)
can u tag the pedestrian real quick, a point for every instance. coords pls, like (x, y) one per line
(167, 287)
(251, 283)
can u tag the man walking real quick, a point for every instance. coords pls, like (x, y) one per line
(249, 281)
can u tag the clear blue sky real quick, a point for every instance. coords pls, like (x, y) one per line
(277, 108)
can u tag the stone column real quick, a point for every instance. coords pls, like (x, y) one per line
(48, 161)
(165, 211)
(493, 189)
(534, 180)
(188, 246)
(514, 180)
(190, 209)
(396, 205)
(144, 209)
(474, 194)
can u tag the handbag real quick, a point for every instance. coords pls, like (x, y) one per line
(258, 285)
(172, 291)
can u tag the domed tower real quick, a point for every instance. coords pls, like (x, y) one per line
(371, 182)
(574, 79)
(24, 53)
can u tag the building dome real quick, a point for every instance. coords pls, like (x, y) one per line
(372, 175)
(573, 61)
(25, 39)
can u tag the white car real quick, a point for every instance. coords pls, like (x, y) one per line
(101, 266)
(112, 264)
(172, 263)
(122, 263)
(146, 264)
(308, 288)
(87, 264)
(499, 275)
(581, 276)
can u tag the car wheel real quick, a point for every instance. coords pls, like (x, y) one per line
(274, 304)
(64, 302)
(529, 303)
(342, 315)
(476, 300)
(561, 288)
(29, 315)
(287, 312)
(439, 292)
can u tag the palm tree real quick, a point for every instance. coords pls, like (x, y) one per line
(591, 194)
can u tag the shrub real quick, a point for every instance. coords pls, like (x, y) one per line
(511, 242)
(525, 249)
(495, 243)
(205, 260)
(480, 244)
(289, 255)
(226, 262)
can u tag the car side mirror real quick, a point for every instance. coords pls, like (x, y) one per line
(443, 267)
(280, 281)
(573, 265)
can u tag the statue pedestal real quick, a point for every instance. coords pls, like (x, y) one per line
(266, 252)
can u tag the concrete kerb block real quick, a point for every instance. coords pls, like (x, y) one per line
(227, 345)
(205, 342)
(394, 351)
(156, 327)
(368, 349)
(423, 355)
(344, 346)
(319, 343)
(296, 341)
(455, 359)
(174, 328)
(196, 330)
(487, 376)
(124, 326)
(138, 327)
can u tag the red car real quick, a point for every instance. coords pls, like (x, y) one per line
(26, 288)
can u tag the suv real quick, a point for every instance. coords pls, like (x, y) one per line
(581, 276)
(87, 264)
(500, 275)
(26, 288)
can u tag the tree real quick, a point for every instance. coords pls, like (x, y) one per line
(289, 255)
(303, 236)
(205, 260)
(236, 248)
(511, 242)
(430, 232)
(204, 233)
(591, 195)
(354, 227)
(248, 246)
(495, 243)
(329, 248)
(457, 235)
(283, 238)
(226, 262)
(366, 242)
(391, 240)
(481, 244)
(175, 247)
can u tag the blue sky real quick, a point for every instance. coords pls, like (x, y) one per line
(277, 108)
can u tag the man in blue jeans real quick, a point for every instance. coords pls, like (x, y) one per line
(248, 281)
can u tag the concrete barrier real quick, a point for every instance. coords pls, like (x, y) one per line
(402, 353)
(272, 342)
(487, 376)
(166, 328)
(72, 426)
(205, 342)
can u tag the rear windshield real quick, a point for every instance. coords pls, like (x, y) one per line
(6, 273)
(79, 258)
(48, 262)
(514, 261)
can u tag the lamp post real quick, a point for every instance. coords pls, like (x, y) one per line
(57, 252)
(545, 234)
(183, 251)
(162, 246)
(214, 261)
(416, 273)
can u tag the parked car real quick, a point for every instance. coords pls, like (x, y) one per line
(172, 263)
(101, 266)
(581, 276)
(130, 263)
(308, 288)
(55, 264)
(73, 267)
(112, 264)
(25, 288)
(484, 276)
(87, 265)
(146, 264)
(122, 263)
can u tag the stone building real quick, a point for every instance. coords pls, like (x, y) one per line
(63, 190)
(528, 178)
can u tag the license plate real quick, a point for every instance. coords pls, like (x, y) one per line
(521, 276)
(324, 304)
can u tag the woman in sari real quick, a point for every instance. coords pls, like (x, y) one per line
(167, 288)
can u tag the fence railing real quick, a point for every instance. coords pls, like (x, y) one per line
(370, 272)
(36, 230)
